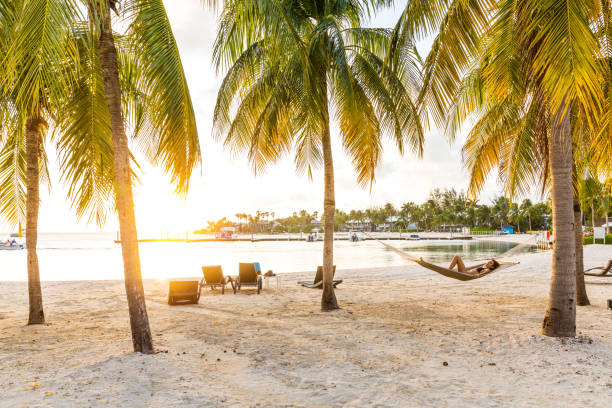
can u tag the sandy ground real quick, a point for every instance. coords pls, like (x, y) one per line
(405, 337)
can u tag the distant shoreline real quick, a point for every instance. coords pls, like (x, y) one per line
(458, 238)
(338, 236)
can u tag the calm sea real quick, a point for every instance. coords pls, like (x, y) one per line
(94, 256)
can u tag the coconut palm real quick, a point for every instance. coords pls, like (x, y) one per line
(291, 64)
(536, 60)
(82, 71)
(526, 208)
(35, 45)
(166, 130)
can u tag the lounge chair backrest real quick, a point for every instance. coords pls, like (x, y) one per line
(319, 276)
(183, 287)
(608, 266)
(213, 274)
(247, 274)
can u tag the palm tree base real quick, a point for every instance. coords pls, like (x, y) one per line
(553, 333)
(329, 308)
(36, 318)
(551, 327)
(328, 300)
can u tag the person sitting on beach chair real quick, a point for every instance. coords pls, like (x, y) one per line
(481, 270)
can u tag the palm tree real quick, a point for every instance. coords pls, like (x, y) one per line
(522, 51)
(168, 129)
(35, 48)
(521, 143)
(292, 61)
(515, 215)
(40, 66)
(526, 208)
(240, 217)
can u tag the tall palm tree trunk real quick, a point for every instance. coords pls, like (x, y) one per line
(328, 299)
(593, 215)
(34, 125)
(560, 315)
(582, 299)
(139, 321)
(530, 229)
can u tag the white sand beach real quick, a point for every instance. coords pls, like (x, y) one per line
(399, 341)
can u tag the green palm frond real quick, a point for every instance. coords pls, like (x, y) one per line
(291, 65)
(532, 55)
(468, 100)
(83, 137)
(308, 143)
(525, 158)
(393, 97)
(361, 132)
(243, 22)
(566, 55)
(170, 112)
(460, 24)
(41, 43)
(13, 169)
(482, 151)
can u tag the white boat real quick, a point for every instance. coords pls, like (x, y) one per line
(11, 247)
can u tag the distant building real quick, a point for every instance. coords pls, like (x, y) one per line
(389, 224)
(356, 225)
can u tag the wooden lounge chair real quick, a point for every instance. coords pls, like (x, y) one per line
(605, 271)
(183, 291)
(247, 277)
(213, 277)
(318, 280)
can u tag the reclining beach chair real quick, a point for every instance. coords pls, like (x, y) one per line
(605, 271)
(183, 291)
(318, 280)
(213, 277)
(247, 276)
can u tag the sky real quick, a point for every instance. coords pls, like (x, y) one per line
(225, 184)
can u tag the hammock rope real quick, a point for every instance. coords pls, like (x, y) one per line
(450, 273)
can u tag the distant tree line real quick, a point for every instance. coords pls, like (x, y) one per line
(443, 210)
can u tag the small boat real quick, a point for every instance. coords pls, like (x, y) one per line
(11, 247)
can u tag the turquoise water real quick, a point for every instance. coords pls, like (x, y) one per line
(97, 257)
(443, 251)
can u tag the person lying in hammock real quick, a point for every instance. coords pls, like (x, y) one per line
(481, 270)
